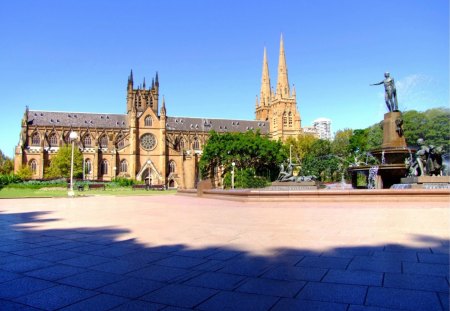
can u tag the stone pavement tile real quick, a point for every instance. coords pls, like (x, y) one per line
(354, 277)
(434, 258)
(143, 256)
(364, 263)
(426, 268)
(118, 266)
(289, 304)
(131, 287)
(166, 249)
(246, 266)
(170, 308)
(225, 254)
(23, 286)
(445, 300)
(234, 301)
(55, 297)
(139, 305)
(33, 251)
(271, 287)
(8, 276)
(100, 302)
(295, 273)
(348, 252)
(197, 253)
(68, 244)
(26, 264)
(159, 273)
(85, 261)
(57, 255)
(180, 295)
(216, 280)
(324, 262)
(91, 279)
(55, 272)
(211, 265)
(404, 248)
(340, 293)
(416, 281)
(113, 251)
(18, 246)
(6, 305)
(440, 249)
(56, 241)
(367, 308)
(404, 299)
(86, 248)
(11, 258)
(180, 262)
(396, 256)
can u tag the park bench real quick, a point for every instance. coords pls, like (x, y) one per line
(96, 186)
(144, 187)
(158, 187)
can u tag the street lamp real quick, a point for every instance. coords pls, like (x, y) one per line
(232, 174)
(73, 136)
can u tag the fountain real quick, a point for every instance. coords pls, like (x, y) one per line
(393, 151)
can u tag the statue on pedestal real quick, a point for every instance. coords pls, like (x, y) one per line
(390, 92)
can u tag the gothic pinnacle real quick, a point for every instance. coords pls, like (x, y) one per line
(282, 81)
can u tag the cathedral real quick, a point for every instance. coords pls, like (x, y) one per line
(146, 143)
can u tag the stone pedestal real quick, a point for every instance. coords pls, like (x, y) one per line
(424, 182)
(391, 137)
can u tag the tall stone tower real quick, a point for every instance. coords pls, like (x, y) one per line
(280, 109)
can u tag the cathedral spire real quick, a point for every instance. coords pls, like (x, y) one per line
(265, 82)
(143, 85)
(282, 82)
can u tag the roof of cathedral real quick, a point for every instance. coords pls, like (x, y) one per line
(108, 120)
(218, 125)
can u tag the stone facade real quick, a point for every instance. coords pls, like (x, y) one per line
(146, 142)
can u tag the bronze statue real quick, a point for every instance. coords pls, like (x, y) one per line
(390, 95)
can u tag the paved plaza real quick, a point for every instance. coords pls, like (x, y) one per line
(174, 252)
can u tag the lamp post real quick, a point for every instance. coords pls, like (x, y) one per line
(73, 136)
(232, 174)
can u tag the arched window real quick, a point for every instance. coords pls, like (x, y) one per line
(148, 121)
(53, 139)
(182, 144)
(123, 166)
(35, 139)
(290, 119)
(88, 166)
(284, 119)
(172, 167)
(104, 168)
(196, 144)
(33, 166)
(87, 141)
(103, 141)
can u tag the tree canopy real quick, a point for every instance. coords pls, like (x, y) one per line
(60, 163)
(249, 150)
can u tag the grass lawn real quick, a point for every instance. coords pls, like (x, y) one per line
(7, 193)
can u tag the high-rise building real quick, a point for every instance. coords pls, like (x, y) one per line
(323, 128)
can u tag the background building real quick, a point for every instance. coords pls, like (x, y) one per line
(323, 128)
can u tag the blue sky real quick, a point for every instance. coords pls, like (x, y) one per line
(76, 55)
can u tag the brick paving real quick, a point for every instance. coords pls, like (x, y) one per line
(185, 253)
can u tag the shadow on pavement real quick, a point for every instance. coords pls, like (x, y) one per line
(89, 269)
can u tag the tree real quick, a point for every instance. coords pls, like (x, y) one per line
(247, 150)
(301, 146)
(24, 172)
(60, 164)
(6, 164)
(341, 143)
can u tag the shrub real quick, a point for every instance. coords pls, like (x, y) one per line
(245, 178)
(123, 182)
(6, 179)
